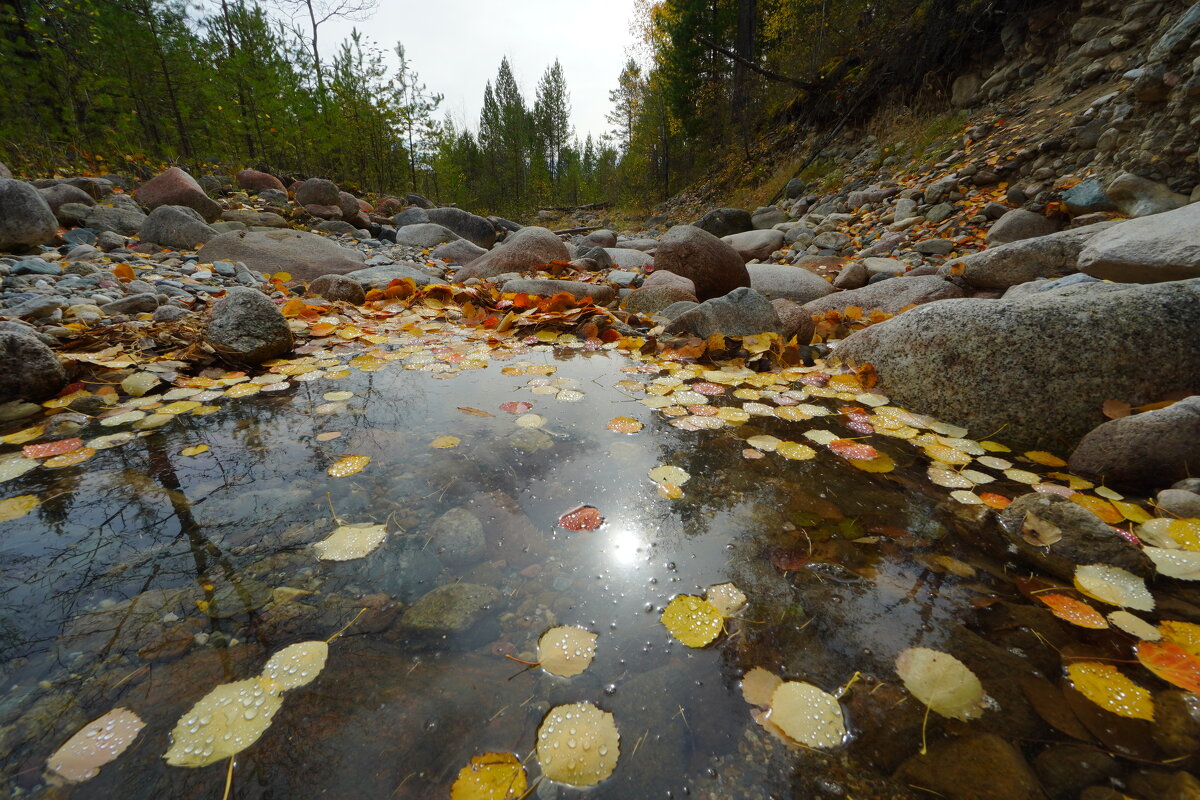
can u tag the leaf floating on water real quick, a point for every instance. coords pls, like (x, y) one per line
(850, 449)
(764, 442)
(809, 715)
(14, 465)
(1074, 611)
(17, 507)
(692, 620)
(296, 665)
(445, 442)
(993, 500)
(23, 436)
(624, 425)
(1114, 586)
(475, 412)
(1040, 532)
(51, 448)
(566, 651)
(1109, 688)
(348, 465)
(726, 598)
(583, 518)
(337, 397)
(194, 450)
(881, 463)
(669, 475)
(1184, 634)
(1170, 662)
(349, 542)
(531, 421)
(69, 459)
(578, 745)
(942, 682)
(516, 406)
(1134, 625)
(328, 436)
(1045, 459)
(758, 685)
(222, 724)
(1182, 565)
(491, 776)
(95, 744)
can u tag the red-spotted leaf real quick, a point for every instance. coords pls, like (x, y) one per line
(584, 518)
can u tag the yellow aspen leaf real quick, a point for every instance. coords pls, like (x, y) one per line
(1109, 688)
(1074, 611)
(348, 465)
(1114, 586)
(1183, 634)
(17, 507)
(23, 436)
(1100, 507)
(1045, 459)
(1132, 512)
(880, 463)
(624, 425)
(194, 450)
(445, 442)
(491, 776)
(692, 620)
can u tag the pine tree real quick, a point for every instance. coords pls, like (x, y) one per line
(552, 120)
(627, 101)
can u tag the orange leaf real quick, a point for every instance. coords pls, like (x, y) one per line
(1171, 663)
(1100, 507)
(516, 406)
(475, 412)
(123, 272)
(584, 518)
(322, 329)
(1115, 409)
(1074, 611)
(848, 448)
(293, 308)
(51, 448)
(994, 500)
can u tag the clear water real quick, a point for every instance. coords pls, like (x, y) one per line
(99, 592)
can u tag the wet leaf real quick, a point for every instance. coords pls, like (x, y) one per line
(583, 518)
(349, 542)
(222, 724)
(194, 450)
(49, 449)
(726, 598)
(14, 465)
(1074, 611)
(794, 451)
(348, 465)
(1109, 688)
(531, 421)
(69, 459)
(764, 442)
(1045, 459)
(942, 682)
(95, 744)
(758, 685)
(1103, 509)
(1114, 586)
(1182, 565)
(1134, 625)
(881, 463)
(851, 449)
(328, 436)
(578, 745)
(993, 500)
(809, 715)
(1023, 476)
(692, 620)
(1170, 662)
(491, 776)
(16, 507)
(296, 665)
(475, 412)
(23, 436)
(567, 650)
(624, 425)
(516, 406)
(1039, 532)
(669, 475)
(445, 442)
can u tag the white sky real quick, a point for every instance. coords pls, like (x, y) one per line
(456, 46)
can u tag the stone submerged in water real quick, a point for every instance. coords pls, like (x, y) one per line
(1023, 366)
(979, 766)
(246, 327)
(450, 609)
(26, 219)
(456, 537)
(29, 370)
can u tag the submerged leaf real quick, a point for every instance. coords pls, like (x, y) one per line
(942, 682)
(1109, 688)
(16, 507)
(807, 714)
(445, 442)
(95, 744)
(223, 723)
(566, 650)
(349, 542)
(692, 620)
(491, 776)
(758, 685)
(578, 744)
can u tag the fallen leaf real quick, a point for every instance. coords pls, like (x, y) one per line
(758, 685)
(296, 665)
(1114, 586)
(583, 518)
(1074, 611)
(348, 465)
(1170, 662)
(567, 650)
(491, 776)
(1040, 532)
(348, 542)
(475, 412)
(1182, 565)
(445, 442)
(16, 507)
(516, 406)
(692, 620)
(578, 745)
(942, 682)
(1134, 625)
(726, 598)
(807, 714)
(669, 475)
(194, 450)
(624, 425)
(1109, 688)
(51, 448)
(848, 448)
(222, 724)
(1045, 459)
(95, 744)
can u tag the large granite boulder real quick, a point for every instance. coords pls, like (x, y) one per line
(381, 277)
(424, 234)
(527, 249)
(469, 226)
(1145, 451)
(304, 255)
(725, 221)
(1039, 367)
(1141, 197)
(318, 192)
(338, 288)
(1020, 224)
(790, 283)
(29, 370)
(26, 219)
(758, 244)
(247, 328)
(177, 188)
(889, 295)
(1050, 256)
(458, 251)
(712, 265)
(176, 227)
(60, 194)
(253, 180)
(1161, 247)
(742, 312)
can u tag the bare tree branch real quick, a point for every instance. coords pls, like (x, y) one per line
(750, 65)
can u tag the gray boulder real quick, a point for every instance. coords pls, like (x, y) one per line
(790, 283)
(664, 277)
(318, 192)
(1145, 451)
(338, 227)
(380, 277)
(424, 234)
(304, 255)
(712, 265)
(752, 245)
(545, 287)
(1039, 367)
(767, 217)
(1140, 197)
(889, 295)
(526, 249)
(459, 251)
(601, 238)
(247, 328)
(174, 187)
(1020, 224)
(1161, 247)
(742, 312)
(29, 370)
(650, 300)
(140, 303)
(338, 288)
(1050, 256)
(1087, 197)
(60, 194)
(176, 227)
(724, 221)
(469, 226)
(626, 258)
(117, 219)
(410, 216)
(892, 267)
(26, 219)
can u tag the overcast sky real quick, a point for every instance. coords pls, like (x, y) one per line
(456, 46)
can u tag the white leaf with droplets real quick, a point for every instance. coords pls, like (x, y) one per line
(566, 650)
(1134, 625)
(666, 474)
(807, 714)
(941, 681)
(349, 542)
(821, 436)
(296, 665)
(111, 440)
(758, 685)
(222, 724)
(13, 465)
(1114, 586)
(578, 745)
(95, 744)
(1157, 532)
(763, 442)
(1183, 565)
(726, 598)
